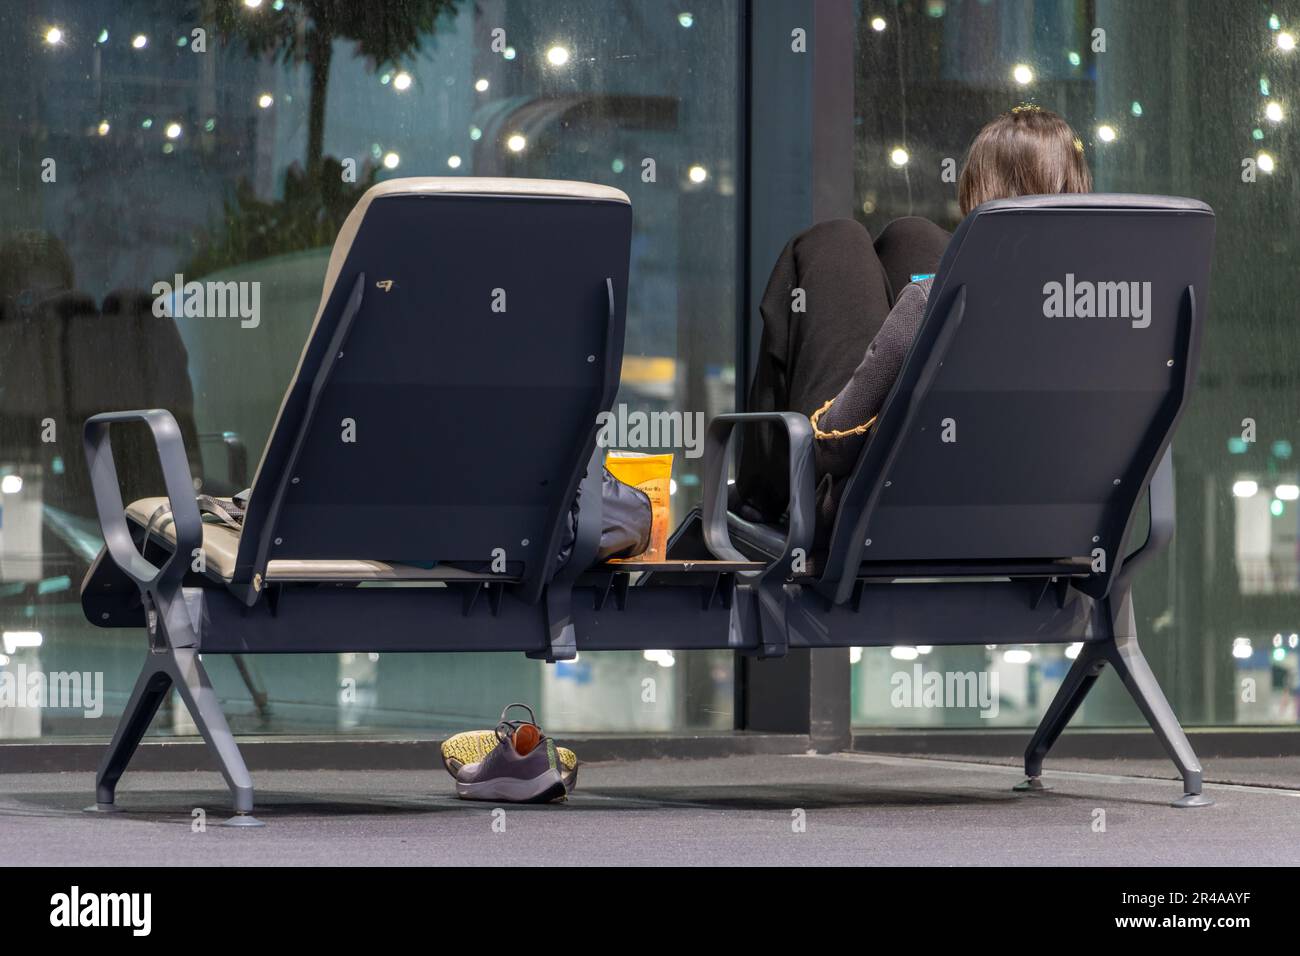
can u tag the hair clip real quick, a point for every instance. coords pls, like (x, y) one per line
(1027, 108)
(1078, 145)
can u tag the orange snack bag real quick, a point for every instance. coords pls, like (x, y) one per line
(652, 475)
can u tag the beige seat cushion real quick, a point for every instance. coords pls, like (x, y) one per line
(221, 546)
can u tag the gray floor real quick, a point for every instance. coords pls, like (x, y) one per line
(858, 809)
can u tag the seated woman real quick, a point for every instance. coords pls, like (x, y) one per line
(862, 303)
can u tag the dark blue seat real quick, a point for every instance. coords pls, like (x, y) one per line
(1010, 464)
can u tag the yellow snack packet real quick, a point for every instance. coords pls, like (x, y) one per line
(652, 475)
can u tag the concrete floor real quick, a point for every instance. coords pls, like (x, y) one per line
(858, 808)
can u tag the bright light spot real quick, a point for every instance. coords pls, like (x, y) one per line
(508, 53)
(1275, 508)
(1017, 656)
(11, 484)
(662, 658)
(1274, 111)
(1241, 648)
(402, 81)
(1293, 640)
(687, 20)
(385, 79)
(1285, 42)
(899, 157)
(1277, 640)
(1022, 74)
(139, 41)
(903, 653)
(1256, 133)
(1073, 650)
(1274, 23)
(1106, 133)
(453, 162)
(173, 130)
(168, 148)
(475, 133)
(265, 100)
(252, 4)
(391, 160)
(516, 143)
(672, 486)
(1265, 162)
(1279, 654)
(210, 125)
(182, 41)
(1287, 492)
(1074, 58)
(53, 36)
(1244, 488)
(878, 24)
(855, 655)
(103, 37)
(16, 639)
(481, 85)
(557, 56)
(617, 165)
(697, 174)
(104, 127)
(278, 5)
(1136, 108)
(146, 123)
(924, 648)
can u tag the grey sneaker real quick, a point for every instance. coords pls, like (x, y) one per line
(523, 768)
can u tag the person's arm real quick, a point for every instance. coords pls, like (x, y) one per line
(841, 425)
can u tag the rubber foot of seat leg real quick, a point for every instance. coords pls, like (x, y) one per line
(1031, 785)
(1193, 800)
(102, 808)
(243, 820)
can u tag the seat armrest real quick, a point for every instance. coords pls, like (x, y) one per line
(802, 505)
(108, 496)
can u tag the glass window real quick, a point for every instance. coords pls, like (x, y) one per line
(146, 142)
(1174, 98)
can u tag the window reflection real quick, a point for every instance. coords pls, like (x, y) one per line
(1177, 99)
(219, 141)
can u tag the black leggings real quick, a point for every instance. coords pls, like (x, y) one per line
(849, 283)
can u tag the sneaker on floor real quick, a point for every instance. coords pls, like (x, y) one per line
(516, 762)
(471, 746)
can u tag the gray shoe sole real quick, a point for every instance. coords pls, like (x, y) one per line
(541, 789)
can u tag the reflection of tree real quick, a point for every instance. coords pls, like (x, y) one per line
(308, 217)
(385, 33)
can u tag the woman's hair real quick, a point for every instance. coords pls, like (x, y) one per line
(1028, 151)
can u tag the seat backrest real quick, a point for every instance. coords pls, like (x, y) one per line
(1057, 352)
(445, 404)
